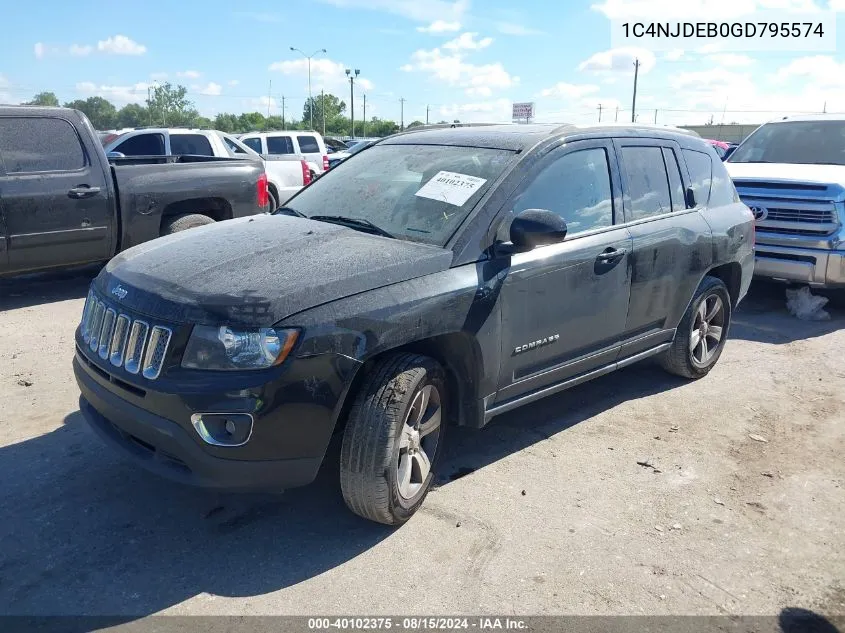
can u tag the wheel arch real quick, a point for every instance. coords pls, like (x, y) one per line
(731, 275)
(218, 209)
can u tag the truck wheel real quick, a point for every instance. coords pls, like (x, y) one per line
(393, 438)
(702, 333)
(273, 201)
(185, 221)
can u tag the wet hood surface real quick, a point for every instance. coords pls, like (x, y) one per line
(259, 270)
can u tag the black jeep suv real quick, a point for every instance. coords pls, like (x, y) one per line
(437, 277)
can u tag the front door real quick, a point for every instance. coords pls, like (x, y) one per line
(56, 203)
(564, 306)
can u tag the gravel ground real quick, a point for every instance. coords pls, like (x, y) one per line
(635, 494)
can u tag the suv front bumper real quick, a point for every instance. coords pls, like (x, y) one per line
(817, 267)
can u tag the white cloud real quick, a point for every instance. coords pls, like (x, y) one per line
(158, 76)
(418, 10)
(366, 84)
(189, 74)
(477, 80)
(5, 97)
(135, 93)
(440, 26)
(260, 105)
(674, 55)
(234, 82)
(619, 60)
(467, 41)
(494, 111)
(121, 45)
(510, 28)
(211, 89)
(820, 70)
(837, 5)
(664, 10)
(565, 90)
(80, 50)
(731, 59)
(39, 50)
(325, 73)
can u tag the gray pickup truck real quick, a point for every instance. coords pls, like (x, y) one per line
(62, 203)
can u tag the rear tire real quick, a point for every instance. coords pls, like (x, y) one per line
(183, 222)
(273, 201)
(393, 438)
(702, 332)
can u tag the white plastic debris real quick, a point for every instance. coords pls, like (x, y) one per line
(806, 306)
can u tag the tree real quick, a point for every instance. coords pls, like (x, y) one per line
(251, 122)
(101, 112)
(332, 105)
(414, 124)
(132, 115)
(226, 122)
(44, 99)
(381, 127)
(170, 105)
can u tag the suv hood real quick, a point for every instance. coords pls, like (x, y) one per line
(788, 172)
(259, 270)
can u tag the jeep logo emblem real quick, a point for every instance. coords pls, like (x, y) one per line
(119, 292)
(760, 213)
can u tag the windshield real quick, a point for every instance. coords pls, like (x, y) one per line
(797, 142)
(420, 193)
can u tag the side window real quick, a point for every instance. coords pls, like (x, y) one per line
(142, 145)
(700, 170)
(676, 186)
(253, 143)
(233, 147)
(279, 145)
(308, 145)
(722, 189)
(195, 144)
(32, 144)
(648, 183)
(576, 186)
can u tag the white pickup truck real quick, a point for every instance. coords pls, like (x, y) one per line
(286, 174)
(791, 173)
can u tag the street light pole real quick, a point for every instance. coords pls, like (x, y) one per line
(352, 77)
(634, 100)
(310, 98)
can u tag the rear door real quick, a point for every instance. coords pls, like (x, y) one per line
(672, 241)
(254, 143)
(309, 146)
(55, 201)
(564, 305)
(280, 145)
(193, 144)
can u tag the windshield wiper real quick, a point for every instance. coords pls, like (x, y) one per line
(354, 223)
(289, 211)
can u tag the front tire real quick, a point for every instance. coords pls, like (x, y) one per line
(393, 438)
(702, 332)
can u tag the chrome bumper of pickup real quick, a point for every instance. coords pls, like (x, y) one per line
(805, 265)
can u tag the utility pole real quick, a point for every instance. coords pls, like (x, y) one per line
(269, 98)
(323, 108)
(655, 116)
(426, 114)
(634, 102)
(364, 120)
(310, 99)
(352, 77)
(824, 109)
(599, 113)
(402, 115)
(150, 106)
(284, 127)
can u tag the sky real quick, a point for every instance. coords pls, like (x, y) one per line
(459, 59)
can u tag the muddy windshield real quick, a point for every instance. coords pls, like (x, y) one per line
(797, 142)
(420, 193)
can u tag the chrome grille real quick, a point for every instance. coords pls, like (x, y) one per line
(135, 347)
(124, 342)
(809, 216)
(790, 211)
(154, 359)
(106, 333)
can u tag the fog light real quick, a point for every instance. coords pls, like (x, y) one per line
(223, 429)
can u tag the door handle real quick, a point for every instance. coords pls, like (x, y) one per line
(611, 255)
(83, 191)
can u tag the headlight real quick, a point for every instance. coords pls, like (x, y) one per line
(228, 348)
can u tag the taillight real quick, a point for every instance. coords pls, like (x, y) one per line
(325, 162)
(263, 191)
(306, 173)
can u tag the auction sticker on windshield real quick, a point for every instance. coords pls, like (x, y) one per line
(451, 187)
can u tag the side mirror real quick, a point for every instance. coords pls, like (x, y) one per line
(533, 228)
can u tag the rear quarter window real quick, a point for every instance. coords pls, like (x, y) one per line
(279, 145)
(308, 145)
(195, 144)
(35, 144)
(701, 174)
(722, 189)
(253, 143)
